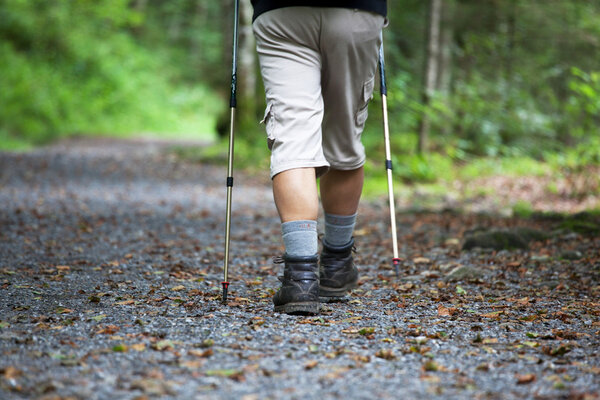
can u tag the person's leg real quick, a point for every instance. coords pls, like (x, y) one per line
(341, 190)
(350, 49)
(287, 45)
(340, 195)
(295, 194)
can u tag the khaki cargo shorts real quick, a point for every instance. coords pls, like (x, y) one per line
(318, 66)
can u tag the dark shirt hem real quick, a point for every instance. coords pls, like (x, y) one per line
(376, 6)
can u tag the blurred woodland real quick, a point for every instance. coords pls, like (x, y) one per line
(467, 78)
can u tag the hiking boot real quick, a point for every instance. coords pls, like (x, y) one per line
(299, 292)
(338, 274)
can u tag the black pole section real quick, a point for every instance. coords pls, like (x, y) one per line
(383, 86)
(232, 97)
(229, 183)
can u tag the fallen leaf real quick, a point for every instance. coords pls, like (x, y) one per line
(490, 341)
(556, 351)
(152, 387)
(525, 379)
(11, 372)
(206, 343)
(201, 353)
(163, 345)
(227, 373)
(446, 311)
(108, 330)
(366, 331)
(431, 366)
(311, 364)
(120, 348)
(386, 354)
(421, 260)
(494, 314)
(138, 347)
(531, 344)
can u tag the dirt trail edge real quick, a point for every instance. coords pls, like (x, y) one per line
(110, 267)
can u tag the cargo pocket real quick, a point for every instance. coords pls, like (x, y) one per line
(363, 104)
(269, 122)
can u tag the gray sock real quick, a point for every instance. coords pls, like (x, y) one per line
(339, 229)
(300, 237)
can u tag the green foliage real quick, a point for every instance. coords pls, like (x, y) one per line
(520, 83)
(583, 104)
(71, 67)
(505, 166)
(423, 169)
(577, 158)
(497, 118)
(250, 151)
(522, 209)
(520, 77)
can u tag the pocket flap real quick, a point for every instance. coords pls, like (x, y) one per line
(368, 90)
(267, 115)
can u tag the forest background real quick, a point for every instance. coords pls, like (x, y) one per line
(477, 86)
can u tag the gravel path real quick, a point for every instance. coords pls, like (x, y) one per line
(110, 268)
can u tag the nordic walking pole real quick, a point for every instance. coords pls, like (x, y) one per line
(232, 105)
(388, 159)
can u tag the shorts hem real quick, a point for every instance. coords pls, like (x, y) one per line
(347, 166)
(320, 166)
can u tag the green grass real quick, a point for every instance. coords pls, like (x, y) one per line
(505, 166)
(522, 209)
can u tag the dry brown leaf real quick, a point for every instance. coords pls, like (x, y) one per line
(11, 372)
(446, 311)
(311, 364)
(421, 260)
(525, 379)
(201, 353)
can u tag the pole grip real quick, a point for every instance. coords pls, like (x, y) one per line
(383, 87)
(233, 97)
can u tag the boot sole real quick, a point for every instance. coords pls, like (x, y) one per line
(304, 308)
(329, 292)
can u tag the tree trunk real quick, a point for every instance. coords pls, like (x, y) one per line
(444, 82)
(140, 6)
(247, 53)
(511, 38)
(176, 23)
(431, 70)
(446, 43)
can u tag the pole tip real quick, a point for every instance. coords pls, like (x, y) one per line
(225, 287)
(396, 262)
